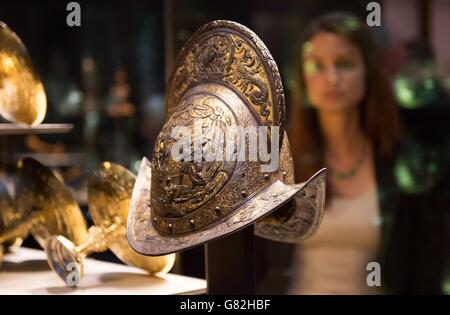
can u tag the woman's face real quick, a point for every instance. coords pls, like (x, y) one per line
(334, 73)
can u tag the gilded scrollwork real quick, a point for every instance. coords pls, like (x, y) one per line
(233, 55)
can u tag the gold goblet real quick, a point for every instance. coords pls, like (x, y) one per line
(42, 206)
(110, 189)
(22, 94)
(7, 215)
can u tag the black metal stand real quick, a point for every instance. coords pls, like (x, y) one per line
(230, 264)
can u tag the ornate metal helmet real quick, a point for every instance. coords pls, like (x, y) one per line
(224, 82)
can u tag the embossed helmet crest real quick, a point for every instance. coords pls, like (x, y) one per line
(224, 79)
(230, 54)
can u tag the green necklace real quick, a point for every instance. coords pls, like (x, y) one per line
(351, 172)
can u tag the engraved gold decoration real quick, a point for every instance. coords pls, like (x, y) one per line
(224, 78)
(43, 206)
(237, 65)
(7, 216)
(109, 189)
(230, 54)
(22, 94)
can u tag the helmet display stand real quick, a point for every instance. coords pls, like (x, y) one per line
(230, 264)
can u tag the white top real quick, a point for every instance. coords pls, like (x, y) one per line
(334, 260)
(25, 271)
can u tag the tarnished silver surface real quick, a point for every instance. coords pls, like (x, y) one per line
(146, 240)
(224, 78)
(62, 258)
(186, 192)
(301, 216)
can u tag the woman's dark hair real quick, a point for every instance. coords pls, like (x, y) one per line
(378, 112)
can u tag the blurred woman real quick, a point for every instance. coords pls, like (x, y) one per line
(344, 117)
